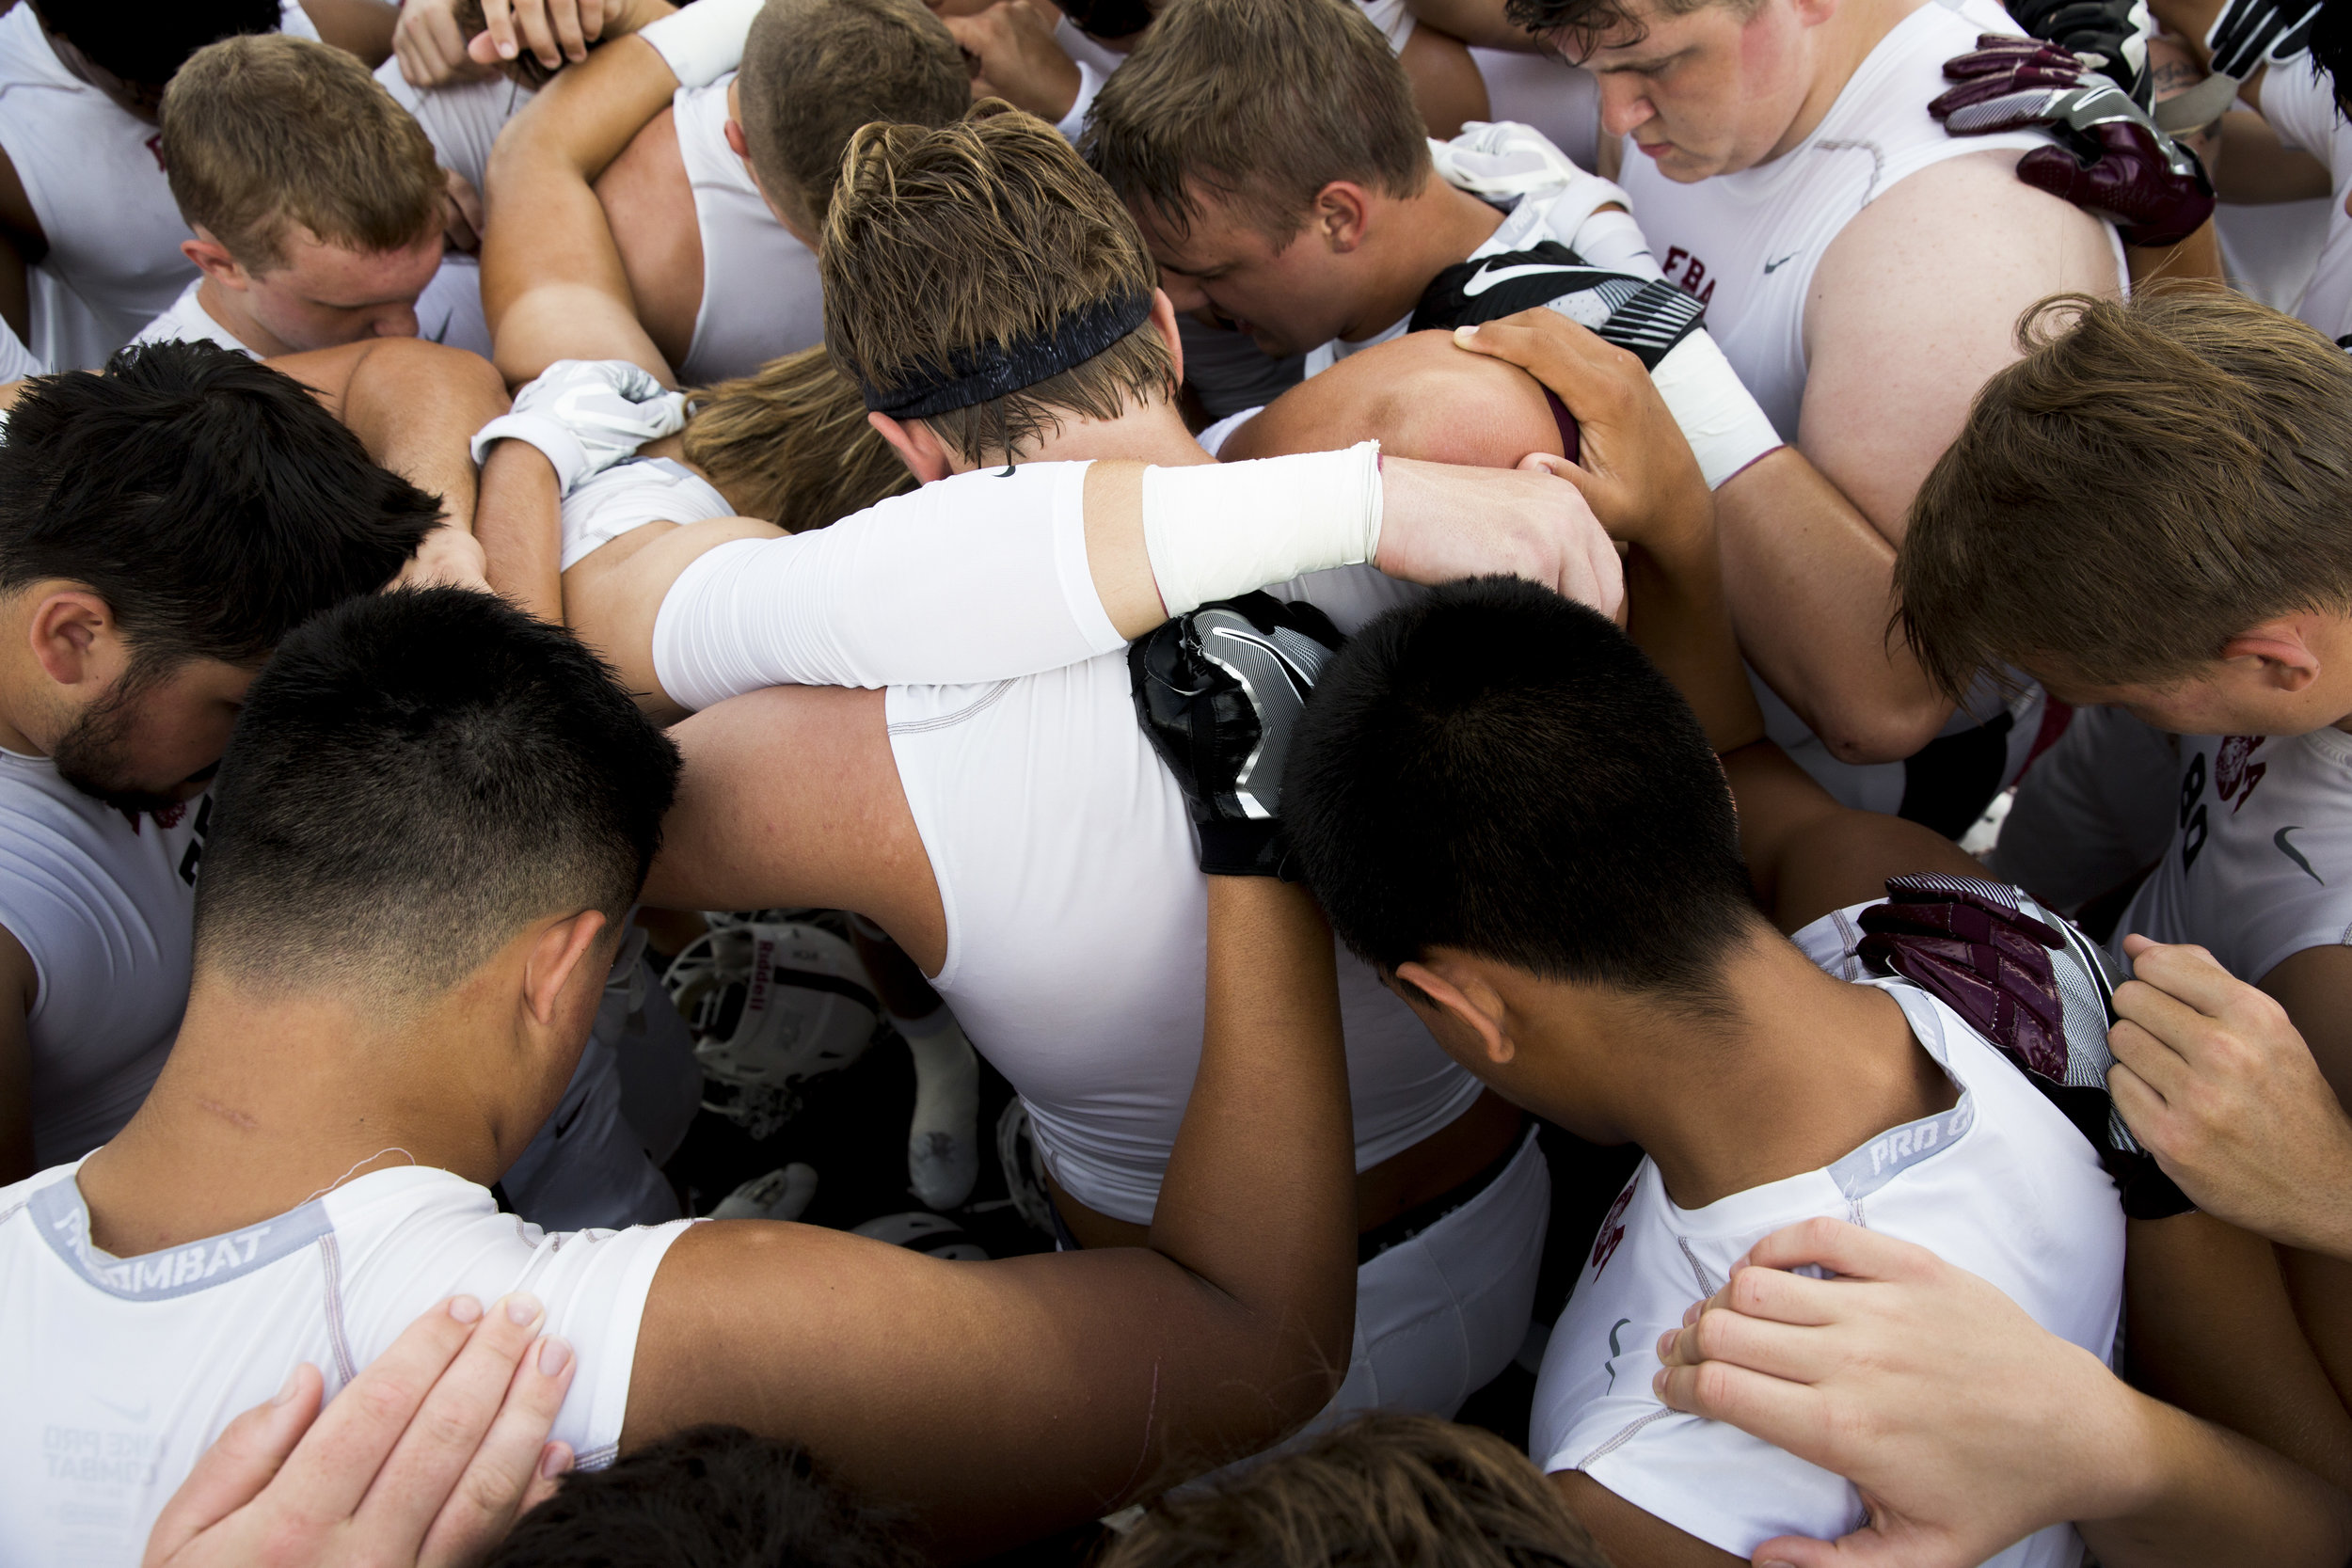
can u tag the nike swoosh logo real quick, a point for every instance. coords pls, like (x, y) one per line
(2291, 852)
(1486, 279)
(125, 1411)
(1771, 267)
(1615, 1349)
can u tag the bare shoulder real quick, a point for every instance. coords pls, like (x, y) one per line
(1421, 397)
(649, 204)
(1969, 218)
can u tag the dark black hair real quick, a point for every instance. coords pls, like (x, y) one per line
(416, 777)
(145, 42)
(1497, 770)
(711, 1496)
(206, 497)
(2331, 50)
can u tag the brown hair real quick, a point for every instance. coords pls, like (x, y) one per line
(1387, 1490)
(2154, 479)
(790, 444)
(1258, 102)
(264, 131)
(1584, 25)
(813, 70)
(989, 231)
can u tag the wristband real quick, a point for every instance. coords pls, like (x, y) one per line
(556, 443)
(702, 41)
(1613, 240)
(1216, 529)
(1719, 418)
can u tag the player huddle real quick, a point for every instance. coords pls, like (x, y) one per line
(1395, 612)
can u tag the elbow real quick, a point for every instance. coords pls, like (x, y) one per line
(1865, 733)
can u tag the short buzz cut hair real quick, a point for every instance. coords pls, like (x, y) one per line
(1497, 770)
(1584, 25)
(266, 132)
(813, 70)
(1260, 104)
(2155, 477)
(989, 231)
(417, 777)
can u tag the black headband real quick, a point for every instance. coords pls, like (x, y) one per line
(993, 370)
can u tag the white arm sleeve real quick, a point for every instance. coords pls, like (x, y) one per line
(982, 576)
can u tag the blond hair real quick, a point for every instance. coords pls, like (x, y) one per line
(264, 131)
(813, 70)
(790, 444)
(1388, 1490)
(1261, 104)
(2157, 476)
(986, 233)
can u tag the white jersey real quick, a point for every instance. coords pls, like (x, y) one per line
(2260, 865)
(94, 174)
(628, 495)
(462, 119)
(1747, 244)
(2001, 1184)
(116, 1373)
(761, 299)
(2301, 105)
(104, 904)
(448, 311)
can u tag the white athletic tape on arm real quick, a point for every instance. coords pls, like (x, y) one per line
(1727, 430)
(968, 580)
(1614, 241)
(702, 41)
(1216, 530)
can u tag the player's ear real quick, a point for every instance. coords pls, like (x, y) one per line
(1163, 323)
(213, 260)
(75, 637)
(555, 961)
(1343, 215)
(2289, 662)
(916, 445)
(1467, 1007)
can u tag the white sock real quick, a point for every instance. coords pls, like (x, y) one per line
(943, 1138)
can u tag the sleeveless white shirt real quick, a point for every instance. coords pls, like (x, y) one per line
(94, 174)
(1747, 244)
(760, 294)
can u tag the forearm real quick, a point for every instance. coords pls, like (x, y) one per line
(1480, 22)
(415, 406)
(515, 519)
(2205, 1496)
(1676, 615)
(552, 283)
(1809, 584)
(1259, 1198)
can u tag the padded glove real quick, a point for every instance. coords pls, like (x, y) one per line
(586, 415)
(1218, 691)
(2111, 161)
(2109, 37)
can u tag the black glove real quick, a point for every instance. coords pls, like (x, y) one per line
(1218, 691)
(2108, 36)
(2250, 34)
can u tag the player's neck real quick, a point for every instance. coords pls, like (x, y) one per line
(1149, 433)
(1418, 236)
(1842, 43)
(1806, 1069)
(228, 310)
(267, 1101)
(22, 715)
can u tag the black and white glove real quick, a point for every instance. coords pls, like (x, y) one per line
(2108, 36)
(1218, 691)
(2252, 33)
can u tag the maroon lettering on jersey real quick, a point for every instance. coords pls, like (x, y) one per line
(1605, 1245)
(1689, 273)
(156, 146)
(2231, 772)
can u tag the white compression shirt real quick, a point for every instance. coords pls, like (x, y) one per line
(2001, 1184)
(104, 904)
(2260, 865)
(630, 494)
(2301, 105)
(94, 175)
(462, 119)
(116, 1373)
(760, 295)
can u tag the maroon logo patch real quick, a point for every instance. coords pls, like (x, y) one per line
(2230, 773)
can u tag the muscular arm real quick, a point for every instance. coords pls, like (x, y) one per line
(552, 283)
(362, 27)
(1003, 1400)
(1418, 397)
(1911, 309)
(19, 990)
(1479, 22)
(1447, 88)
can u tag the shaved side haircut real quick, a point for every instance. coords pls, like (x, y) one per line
(990, 232)
(2157, 476)
(417, 777)
(813, 70)
(1260, 104)
(265, 134)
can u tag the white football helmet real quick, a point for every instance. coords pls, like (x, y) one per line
(771, 1005)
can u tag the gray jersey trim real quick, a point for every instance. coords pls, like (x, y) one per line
(59, 1211)
(1898, 1148)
